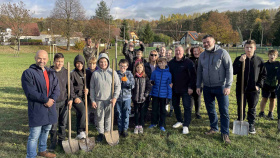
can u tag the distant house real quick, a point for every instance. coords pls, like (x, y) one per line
(190, 38)
(157, 44)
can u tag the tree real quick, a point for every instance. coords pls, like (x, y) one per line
(276, 40)
(67, 14)
(103, 12)
(124, 30)
(15, 17)
(219, 26)
(162, 38)
(148, 34)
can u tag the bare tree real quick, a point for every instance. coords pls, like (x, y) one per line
(15, 17)
(66, 15)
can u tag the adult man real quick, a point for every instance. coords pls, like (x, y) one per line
(254, 76)
(215, 72)
(41, 88)
(130, 52)
(89, 50)
(183, 74)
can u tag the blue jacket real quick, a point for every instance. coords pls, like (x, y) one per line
(162, 78)
(127, 86)
(34, 87)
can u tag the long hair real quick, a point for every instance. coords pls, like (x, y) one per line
(192, 49)
(150, 55)
(134, 69)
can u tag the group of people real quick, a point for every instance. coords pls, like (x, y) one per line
(161, 80)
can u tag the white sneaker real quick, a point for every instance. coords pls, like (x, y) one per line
(167, 107)
(82, 135)
(136, 129)
(185, 130)
(177, 125)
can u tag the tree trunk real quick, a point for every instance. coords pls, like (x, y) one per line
(18, 43)
(68, 43)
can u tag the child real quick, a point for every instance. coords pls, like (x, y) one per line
(139, 94)
(169, 58)
(62, 103)
(138, 58)
(169, 55)
(254, 75)
(101, 94)
(124, 100)
(268, 90)
(91, 68)
(162, 52)
(161, 92)
(77, 78)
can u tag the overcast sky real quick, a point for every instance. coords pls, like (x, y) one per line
(152, 9)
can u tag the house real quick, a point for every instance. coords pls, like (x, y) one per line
(190, 37)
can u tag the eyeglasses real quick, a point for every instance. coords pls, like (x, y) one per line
(153, 55)
(123, 66)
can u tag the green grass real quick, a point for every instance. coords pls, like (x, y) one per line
(14, 125)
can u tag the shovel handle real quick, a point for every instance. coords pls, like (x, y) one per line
(242, 91)
(68, 96)
(86, 103)
(113, 85)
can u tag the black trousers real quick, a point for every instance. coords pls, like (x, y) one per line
(196, 101)
(81, 116)
(186, 98)
(139, 114)
(62, 114)
(158, 111)
(252, 98)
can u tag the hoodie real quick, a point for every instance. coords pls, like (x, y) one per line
(77, 78)
(214, 68)
(101, 82)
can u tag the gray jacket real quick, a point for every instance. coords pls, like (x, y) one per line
(101, 83)
(214, 68)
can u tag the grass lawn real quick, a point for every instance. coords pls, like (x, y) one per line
(14, 124)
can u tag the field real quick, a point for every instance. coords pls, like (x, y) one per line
(14, 124)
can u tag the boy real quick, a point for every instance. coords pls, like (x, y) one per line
(254, 76)
(130, 52)
(91, 68)
(169, 55)
(137, 59)
(62, 103)
(268, 90)
(124, 100)
(161, 92)
(100, 94)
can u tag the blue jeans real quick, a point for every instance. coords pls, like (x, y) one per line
(209, 94)
(123, 108)
(41, 133)
(187, 107)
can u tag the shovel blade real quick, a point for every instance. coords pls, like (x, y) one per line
(87, 144)
(70, 146)
(112, 137)
(240, 128)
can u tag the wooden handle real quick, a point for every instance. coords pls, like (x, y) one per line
(86, 103)
(68, 96)
(242, 91)
(113, 85)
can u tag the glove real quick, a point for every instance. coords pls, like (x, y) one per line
(124, 79)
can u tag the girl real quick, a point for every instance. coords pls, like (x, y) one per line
(141, 90)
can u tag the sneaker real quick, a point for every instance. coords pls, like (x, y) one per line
(197, 116)
(152, 126)
(82, 135)
(141, 130)
(270, 115)
(136, 130)
(252, 129)
(185, 130)
(162, 129)
(46, 154)
(177, 125)
(166, 107)
(261, 114)
(211, 132)
(52, 147)
(226, 139)
(99, 137)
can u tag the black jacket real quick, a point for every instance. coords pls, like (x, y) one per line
(254, 75)
(77, 78)
(271, 78)
(130, 55)
(183, 74)
(63, 84)
(148, 70)
(141, 89)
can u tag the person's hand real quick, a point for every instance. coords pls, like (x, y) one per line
(190, 91)
(198, 91)
(226, 91)
(126, 41)
(94, 105)
(171, 85)
(77, 101)
(70, 104)
(86, 91)
(257, 88)
(113, 101)
(96, 45)
(140, 42)
(242, 58)
(49, 103)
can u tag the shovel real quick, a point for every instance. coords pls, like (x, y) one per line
(70, 146)
(88, 143)
(112, 137)
(241, 127)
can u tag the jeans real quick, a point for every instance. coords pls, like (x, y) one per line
(187, 107)
(41, 133)
(123, 108)
(158, 111)
(209, 94)
(62, 113)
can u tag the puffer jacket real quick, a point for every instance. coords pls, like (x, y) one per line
(141, 90)
(77, 78)
(126, 86)
(162, 80)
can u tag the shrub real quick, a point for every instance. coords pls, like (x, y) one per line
(80, 45)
